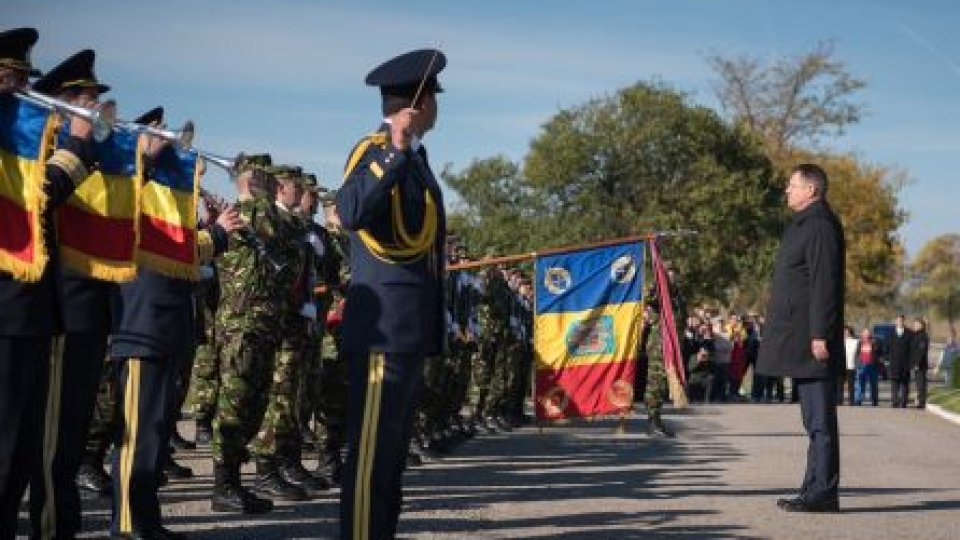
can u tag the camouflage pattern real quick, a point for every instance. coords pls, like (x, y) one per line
(280, 429)
(206, 364)
(656, 389)
(254, 295)
(330, 403)
(493, 312)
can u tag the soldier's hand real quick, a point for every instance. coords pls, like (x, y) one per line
(401, 128)
(79, 127)
(154, 145)
(230, 220)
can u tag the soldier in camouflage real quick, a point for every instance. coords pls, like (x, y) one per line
(251, 282)
(493, 314)
(206, 369)
(330, 403)
(656, 388)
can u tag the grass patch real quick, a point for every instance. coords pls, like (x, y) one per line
(946, 398)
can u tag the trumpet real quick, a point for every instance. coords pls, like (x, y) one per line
(103, 119)
(182, 137)
(225, 163)
(246, 234)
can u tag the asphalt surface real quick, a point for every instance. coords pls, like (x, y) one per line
(719, 478)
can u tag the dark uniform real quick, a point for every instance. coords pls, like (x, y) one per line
(31, 315)
(153, 334)
(394, 316)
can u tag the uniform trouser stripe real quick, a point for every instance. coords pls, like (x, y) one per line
(48, 516)
(131, 405)
(368, 440)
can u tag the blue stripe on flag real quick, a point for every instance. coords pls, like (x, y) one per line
(21, 127)
(590, 278)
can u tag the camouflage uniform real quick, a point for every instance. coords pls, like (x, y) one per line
(102, 424)
(656, 387)
(248, 325)
(206, 368)
(279, 431)
(493, 312)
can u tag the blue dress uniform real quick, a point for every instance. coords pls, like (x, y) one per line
(392, 207)
(31, 315)
(154, 329)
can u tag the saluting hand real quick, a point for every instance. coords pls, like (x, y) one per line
(230, 220)
(819, 349)
(401, 127)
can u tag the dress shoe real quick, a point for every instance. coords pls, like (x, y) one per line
(175, 470)
(831, 506)
(180, 443)
(93, 481)
(159, 533)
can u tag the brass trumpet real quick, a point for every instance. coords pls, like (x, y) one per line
(182, 137)
(103, 119)
(225, 163)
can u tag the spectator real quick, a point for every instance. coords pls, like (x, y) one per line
(702, 381)
(849, 376)
(867, 357)
(949, 355)
(723, 347)
(900, 348)
(919, 350)
(738, 357)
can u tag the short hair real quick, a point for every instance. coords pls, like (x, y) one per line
(393, 103)
(813, 174)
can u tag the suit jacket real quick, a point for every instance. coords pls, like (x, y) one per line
(900, 347)
(919, 350)
(806, 300)
(34, 309)
(392, 306)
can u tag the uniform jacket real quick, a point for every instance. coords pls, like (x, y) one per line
(806, 300)
(153, 315)
(899, 354)
(390, 306)
(34, 309)
(85, 302)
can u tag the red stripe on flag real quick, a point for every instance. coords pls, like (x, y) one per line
(98, 236)
(585, 390)
(168, 240)
(16, 231)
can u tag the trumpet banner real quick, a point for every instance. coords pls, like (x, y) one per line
(168, 215)
(587, 331)
(26, 141)
(97, 227)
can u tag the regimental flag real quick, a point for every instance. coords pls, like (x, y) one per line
(26, 142)
(587, 331)
(97, 227)
(168, 216)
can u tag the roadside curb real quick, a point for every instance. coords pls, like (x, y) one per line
(946, 415)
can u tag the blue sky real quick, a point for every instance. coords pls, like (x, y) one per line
(287, 76)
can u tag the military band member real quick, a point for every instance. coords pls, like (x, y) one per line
(32, 312)
(392, 206)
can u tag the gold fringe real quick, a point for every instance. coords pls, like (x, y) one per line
(205, 247)
(162, 265)
(102, 269)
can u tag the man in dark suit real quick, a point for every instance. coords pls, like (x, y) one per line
(392, 207)
(803, 338)
(901, 344)
(32, 313)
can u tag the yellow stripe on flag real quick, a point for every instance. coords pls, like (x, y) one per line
(170, 205)
(12, 185)
(605, 334)
(105, 195)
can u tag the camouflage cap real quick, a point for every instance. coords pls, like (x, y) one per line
(310, 182)
(288, 172)
(246, 162)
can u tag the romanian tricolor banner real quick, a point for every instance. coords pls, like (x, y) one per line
(587, 330)
(97, 227)
(168, 216)
(26, 142)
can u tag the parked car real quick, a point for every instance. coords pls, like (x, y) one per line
(882, 332)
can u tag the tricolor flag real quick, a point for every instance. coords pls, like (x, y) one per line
(96, 227)
(168, 216)
(26, 142)
(587, 330)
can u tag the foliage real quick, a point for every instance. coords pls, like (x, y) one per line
(936, 276)
(638, 161)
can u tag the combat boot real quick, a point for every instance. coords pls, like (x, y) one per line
(291, 471)
(270, 484)
(330, 467)
(229, 495)
(656, 427)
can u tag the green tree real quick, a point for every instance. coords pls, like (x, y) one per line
(641, 160)
(936, 276)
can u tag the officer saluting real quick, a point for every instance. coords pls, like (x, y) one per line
(392, 207)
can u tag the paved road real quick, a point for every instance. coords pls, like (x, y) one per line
(718, 479)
